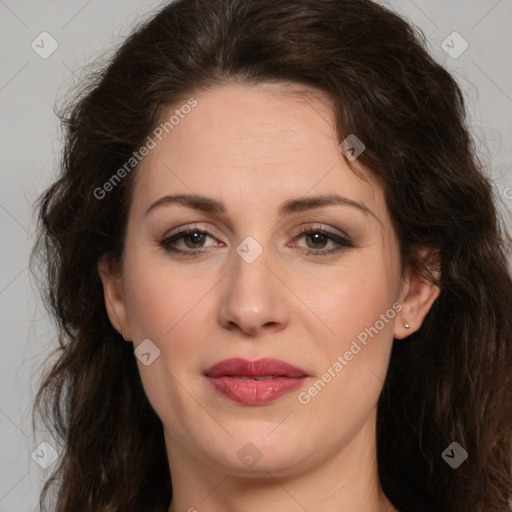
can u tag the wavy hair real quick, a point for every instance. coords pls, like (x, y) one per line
(449, 381)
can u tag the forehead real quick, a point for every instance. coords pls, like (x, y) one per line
(277, 138)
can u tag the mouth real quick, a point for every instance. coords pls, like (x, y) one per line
(257, 382)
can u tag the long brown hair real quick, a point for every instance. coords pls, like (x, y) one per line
(451, 381)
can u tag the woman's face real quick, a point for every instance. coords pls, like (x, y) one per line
(291, 256)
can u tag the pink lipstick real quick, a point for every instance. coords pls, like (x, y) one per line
(256, 382)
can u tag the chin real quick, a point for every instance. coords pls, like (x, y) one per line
(252, 452)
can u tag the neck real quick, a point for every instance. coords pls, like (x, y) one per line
(345, 480)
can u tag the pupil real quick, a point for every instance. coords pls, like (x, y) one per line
(317, 238)
(195, 238)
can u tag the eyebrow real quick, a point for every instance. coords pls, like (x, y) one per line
(210, 205)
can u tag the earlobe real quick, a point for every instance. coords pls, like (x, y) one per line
(111, 279)
(418, 296)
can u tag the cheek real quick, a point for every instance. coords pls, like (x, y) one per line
(350, 299)
(158, 296)
(356, 309)
(352, 362)
(171, 307)
(163, 306)
(150, 305)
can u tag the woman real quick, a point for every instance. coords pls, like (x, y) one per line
(275, 204)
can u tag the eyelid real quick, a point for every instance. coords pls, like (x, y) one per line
(341, 240)
(302, 230)
(326, 229)
(184, 229)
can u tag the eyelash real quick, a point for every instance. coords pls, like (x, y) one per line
(341, 241)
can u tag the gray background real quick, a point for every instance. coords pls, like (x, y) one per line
(29, 89)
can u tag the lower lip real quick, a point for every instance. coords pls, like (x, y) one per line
(255, 392)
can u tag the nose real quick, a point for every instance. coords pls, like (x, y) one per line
(253, 300)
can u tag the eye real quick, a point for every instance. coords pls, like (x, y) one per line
(192, 239)
(317, 240)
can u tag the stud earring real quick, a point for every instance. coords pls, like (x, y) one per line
(407, 326)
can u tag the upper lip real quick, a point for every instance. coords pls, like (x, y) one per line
(257, 368)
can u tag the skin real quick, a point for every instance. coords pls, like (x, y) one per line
(254, 147)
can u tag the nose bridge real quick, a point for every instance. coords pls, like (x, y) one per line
(250, 267)
(252, 297)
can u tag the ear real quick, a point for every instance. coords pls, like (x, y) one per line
(416, 297)
(112, 280)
